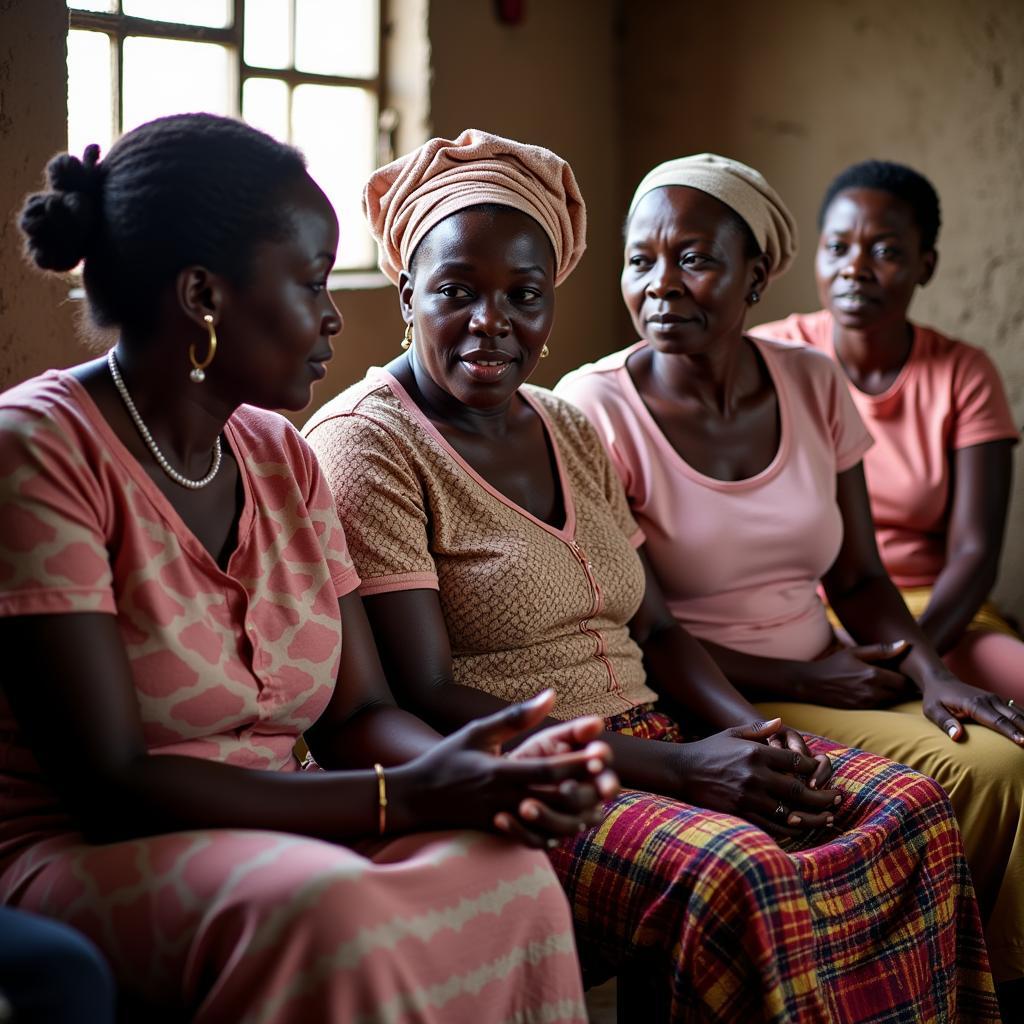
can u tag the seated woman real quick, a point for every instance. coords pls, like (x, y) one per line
(742, 462)
(497, 556)
(173, 584)
(939, 473)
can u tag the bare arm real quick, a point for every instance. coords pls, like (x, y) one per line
(413, 638)
(982, 475)
(74, 696)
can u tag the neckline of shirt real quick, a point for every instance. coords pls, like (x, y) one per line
(767, 474)
(156, 497)
(565, 533)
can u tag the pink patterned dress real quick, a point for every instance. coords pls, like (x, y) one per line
(232, 666)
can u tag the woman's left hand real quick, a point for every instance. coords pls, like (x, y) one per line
(790, 739)
(948, 701)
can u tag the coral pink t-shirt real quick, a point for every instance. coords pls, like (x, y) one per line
(228, 665)
(739, 561)
(947, 396)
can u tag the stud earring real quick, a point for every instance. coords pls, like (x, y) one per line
(545, 352)
(407, 338)
(754, 297)
(198, 372)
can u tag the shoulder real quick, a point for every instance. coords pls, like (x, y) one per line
(810, 328)
(961, 360)
(51, 404)
(597, 383)
(369, 406)
(797, 361)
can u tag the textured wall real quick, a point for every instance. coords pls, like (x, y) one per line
(798, 89)
(806, 87)
(36, 321)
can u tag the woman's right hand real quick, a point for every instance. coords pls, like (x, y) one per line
(551, 787)
(737, 772)
(857, 678)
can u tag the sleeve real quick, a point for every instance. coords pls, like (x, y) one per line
(981, 411)
(850, 438)
(379, 500)
(53, 550)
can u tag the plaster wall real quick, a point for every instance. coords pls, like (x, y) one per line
(37, 323)
(810, 86)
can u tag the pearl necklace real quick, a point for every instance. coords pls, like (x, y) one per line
(146, 436)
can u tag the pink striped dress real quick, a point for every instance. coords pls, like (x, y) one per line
(242, 925)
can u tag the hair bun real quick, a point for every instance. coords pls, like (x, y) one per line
(60, 225)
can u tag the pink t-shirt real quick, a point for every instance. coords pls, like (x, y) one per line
(739, 561)
(947, 396)
(228, 665)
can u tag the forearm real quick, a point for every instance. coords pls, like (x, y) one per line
(758, 677)
(681, 669)
(377, 733)
(957, 594)
(873, 611)
(156, 794)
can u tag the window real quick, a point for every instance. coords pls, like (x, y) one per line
(309, 72)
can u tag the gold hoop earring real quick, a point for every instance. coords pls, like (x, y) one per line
(198, 372)
(407, 338)
(544, 352)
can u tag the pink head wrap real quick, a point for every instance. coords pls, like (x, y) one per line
(405, 199)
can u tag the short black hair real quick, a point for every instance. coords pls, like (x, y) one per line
(898, 180)
(181, 190)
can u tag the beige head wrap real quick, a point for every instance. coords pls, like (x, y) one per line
(405, 199)
(742, 189)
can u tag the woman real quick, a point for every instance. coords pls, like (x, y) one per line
(742, 462)
(174, 578)
(497, 555)
(939, 473)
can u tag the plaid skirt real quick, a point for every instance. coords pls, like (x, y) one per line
(873, 919)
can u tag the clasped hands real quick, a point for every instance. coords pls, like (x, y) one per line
(551, 785)
(763, 773)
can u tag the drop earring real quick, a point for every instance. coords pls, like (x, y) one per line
(198, 372)
(545, 352)
(407, 338)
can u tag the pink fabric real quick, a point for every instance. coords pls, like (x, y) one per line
(242, 925)
(947, 396)
(739, 561)
(405, 199)
(991, 661)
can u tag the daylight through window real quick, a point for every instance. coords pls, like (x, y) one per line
(308, 72)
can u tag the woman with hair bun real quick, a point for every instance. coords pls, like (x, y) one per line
(173, 585)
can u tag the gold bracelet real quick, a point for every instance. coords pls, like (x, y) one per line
(382, 799)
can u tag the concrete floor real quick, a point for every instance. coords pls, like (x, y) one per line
(601, 1003)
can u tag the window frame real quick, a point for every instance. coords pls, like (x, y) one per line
(118, 26)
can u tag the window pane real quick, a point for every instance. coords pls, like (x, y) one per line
(90, 91)
(265, 105)
(267, 35)
(92, 5)
(213, 13)
(334, 38)
(336, 129)
(154, 84)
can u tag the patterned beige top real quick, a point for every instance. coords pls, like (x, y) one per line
(527, 605)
